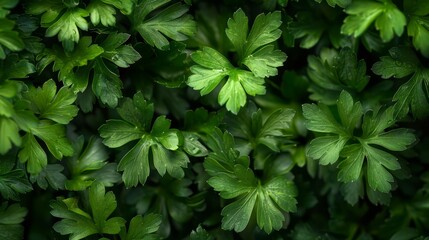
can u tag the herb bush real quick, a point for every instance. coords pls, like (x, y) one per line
(263, 119)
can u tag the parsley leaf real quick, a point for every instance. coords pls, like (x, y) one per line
(340, 141)
(200, 234)
(333, 72)
(101, 12)
(388, 19)
(53, 135)
(232, 177)
(11, 218)
(253, 128)
(81, 224)
(125, 6)
(67, 26)
(9, 38)
(87, 164)
(13, 182)
(159, 139)
(60, 18)
(171, 22)
(51, 175)
(412, 95)
(65, 62)
(143, 227)
(253, 51)
(114, 50)
(308, 29)
(53, 105)
(106, 83)
(418, 24)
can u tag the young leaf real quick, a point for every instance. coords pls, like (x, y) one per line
(388, 19)
(79, 223)
(125, 6)
(67, 27)
(250, 126)
(66, 62)
(87, 164)
(114, 50)
(253, 51)
(200, 234)
(143, 227)
(418, 24)
(412, 95)
(233, 179)
(53, 135)
(159, 139)
(337, 145)
(333, 72)
(171, 22)
(53, 105)
(101, 12)
(308, 28)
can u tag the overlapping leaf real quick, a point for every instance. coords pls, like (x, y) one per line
(79, 223)
(159, 140)
(233, 179)
(389, 20)
(412, 96)
(254, 50)
(371, 148)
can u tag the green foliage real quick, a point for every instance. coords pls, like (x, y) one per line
(81, 224)
(171, 119)
(9, 38)
(172, 22)
(162, 142)
(254, 51)
(412, 95)
(11, 217)
(388, 19)
(333, 72)
(341, 141)
(418, 24)
(233, 179)
(89, 165)
(13, 181)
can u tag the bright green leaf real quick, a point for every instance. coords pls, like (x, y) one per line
(125, 6)
(101, 12)
(388, 19)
